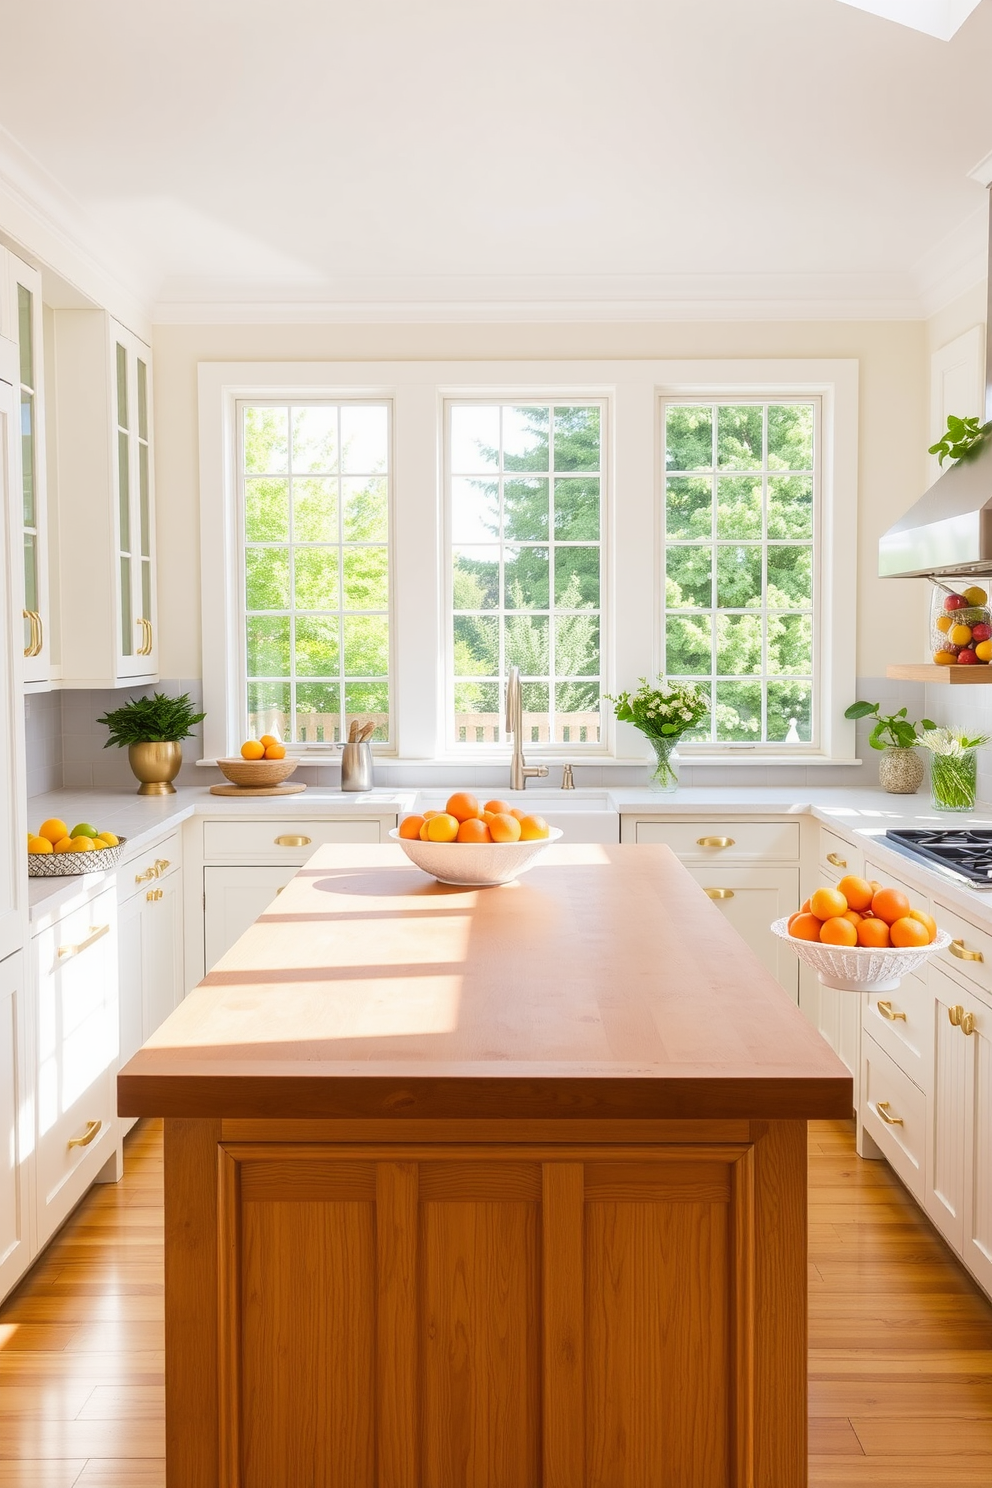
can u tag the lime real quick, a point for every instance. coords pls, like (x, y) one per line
(83, 830)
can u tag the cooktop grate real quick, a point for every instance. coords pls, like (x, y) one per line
(966, 851)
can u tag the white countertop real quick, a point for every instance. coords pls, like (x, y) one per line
(864, 815)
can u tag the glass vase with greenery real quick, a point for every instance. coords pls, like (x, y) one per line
(663, 714)
(953, 767)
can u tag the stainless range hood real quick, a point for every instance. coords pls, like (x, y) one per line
(949, 530)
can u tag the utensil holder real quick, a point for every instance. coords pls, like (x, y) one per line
(356, 767)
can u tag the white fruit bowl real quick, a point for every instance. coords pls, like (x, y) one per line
(474, 865)
(859, 968)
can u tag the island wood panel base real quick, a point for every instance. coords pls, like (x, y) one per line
(468, 1315)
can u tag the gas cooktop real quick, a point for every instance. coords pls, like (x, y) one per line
(965, 852)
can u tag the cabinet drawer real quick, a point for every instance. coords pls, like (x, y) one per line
(901, 1023)
(65, 1166)
(894, 1112)
(724, 842)
(969, 954)
(837, 857)
(277, 841)
(135, 874)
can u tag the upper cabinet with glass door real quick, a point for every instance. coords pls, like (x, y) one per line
(21, 289)
(106, 502)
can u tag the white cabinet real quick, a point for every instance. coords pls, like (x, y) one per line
(105, 502)
(21, 287)
(76, 1038)
(751, 898)
(16, 1126)
(978, 1150)
(151, 958)
(233, 899)
(13, 859)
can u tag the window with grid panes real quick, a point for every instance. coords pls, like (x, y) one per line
(314, 483)
(740, 564)
(525, 485)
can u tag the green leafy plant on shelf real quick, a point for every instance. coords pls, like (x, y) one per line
(961, 440)
(892, 730)
(155, 720)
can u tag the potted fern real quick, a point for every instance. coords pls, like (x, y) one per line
(151, 729)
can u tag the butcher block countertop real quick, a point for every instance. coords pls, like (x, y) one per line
(601, 984)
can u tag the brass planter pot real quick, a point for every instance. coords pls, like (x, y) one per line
(156, 766)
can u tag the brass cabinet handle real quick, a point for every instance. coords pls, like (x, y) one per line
(715, 842)
(955, 1014)
(92, 1129)
(957, 948)
(292, 842)
(97, 932)
(151, 872)
(888, 1011)
(161, 864)
(882, 1107)
(719, 893)
(153, 895)
(33, 648)
(837, 860)
(147, 646)
(967, 1023)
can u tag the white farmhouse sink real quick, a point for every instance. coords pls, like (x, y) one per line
(582, 815)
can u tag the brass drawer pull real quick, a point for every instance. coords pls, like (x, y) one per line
(161, 864)
(967, 1023)
(97, 932)
(957, 948)
(882, 1107)
(719, 893)
(888, 1011)
(153, 895)
(292, 842)
(837, 860)
(955, 1014)
(92, 1130)
(151, 872)
(715, 842)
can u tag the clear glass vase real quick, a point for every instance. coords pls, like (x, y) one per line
(954, 781)
(665, 775)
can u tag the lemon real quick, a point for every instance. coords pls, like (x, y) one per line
(974, 595)
(83, 830)
(65, 844)
(984, 650)
(39, 845)
(108, 839)
(82, 844)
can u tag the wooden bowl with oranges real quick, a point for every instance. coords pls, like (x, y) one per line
(263, 764)
(474, 846)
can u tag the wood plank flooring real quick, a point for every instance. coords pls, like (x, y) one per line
(900, 1339)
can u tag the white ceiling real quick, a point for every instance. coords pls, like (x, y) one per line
(315, 157)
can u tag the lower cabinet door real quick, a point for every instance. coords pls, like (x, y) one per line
(947, 1117)
(978, 1150)
(15, 1115)
(233, 899)
(894, 1112)
(161, 952)
(77, 1038)
(751, 898)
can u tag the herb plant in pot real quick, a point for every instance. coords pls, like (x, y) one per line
(900, 770)
(151, 729)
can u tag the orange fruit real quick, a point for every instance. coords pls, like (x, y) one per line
(54, 830)
(442, 828)
(826, 904)
(268, 739)
(857, 892)
(792, 920)
(428, 814)
(873, 933)
(908, 932)
(959, 635)
(532, 828)
(487, 816)
(40, 845)
(498, 808)
(838, 931)
(804, 907)
(515, 811)
(410, 826)
(504, 827)
(423, 832)
(463, 806)
(805, 927)
(253, 749)
(473, 829)
(853, 916)
(275, 751)
(945, 658)
(944, 623)
(927, 921)
(890, 905)
(65, 844)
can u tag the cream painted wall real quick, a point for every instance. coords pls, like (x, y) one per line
(893, 358)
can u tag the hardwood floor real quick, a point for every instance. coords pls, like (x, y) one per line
(900, 1339)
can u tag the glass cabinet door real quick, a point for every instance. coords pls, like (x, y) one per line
(135, 513)
(24, 291)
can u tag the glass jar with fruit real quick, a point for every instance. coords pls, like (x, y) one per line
(960, 624)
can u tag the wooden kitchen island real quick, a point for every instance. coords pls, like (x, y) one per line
(487, 1188)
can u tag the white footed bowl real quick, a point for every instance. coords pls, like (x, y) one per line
(474, 864)
(860, 968)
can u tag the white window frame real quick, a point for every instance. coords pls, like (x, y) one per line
(633, 531)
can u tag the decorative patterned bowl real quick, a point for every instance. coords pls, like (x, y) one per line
(475, 864)
(859, 968)
(64, 864)
(257, 774)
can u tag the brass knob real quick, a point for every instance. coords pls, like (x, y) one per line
(955, 1014)
(153, 895)
(292, 841)
(882, 1107)
(719, 893)
(967, 1023)
(888, 1011)
(715, 842)
(957, 948)
(837, 860)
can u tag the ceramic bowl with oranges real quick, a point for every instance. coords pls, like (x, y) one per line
(263, 764)
(860, 936)
(474, 845)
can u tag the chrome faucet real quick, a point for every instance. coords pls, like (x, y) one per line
(519, 771)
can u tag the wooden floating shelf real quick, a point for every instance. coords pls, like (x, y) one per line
(930, 672)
